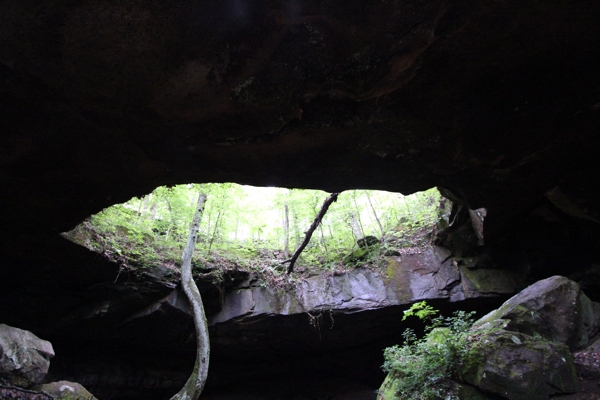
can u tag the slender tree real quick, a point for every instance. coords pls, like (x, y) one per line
(195, 384)
(212, 239)
(333, 197)
(375, 214)
(286, 231)
(356, 230)
(143, 207)
(296, 228)
(323, 241)
(173, 222)
(362, 230)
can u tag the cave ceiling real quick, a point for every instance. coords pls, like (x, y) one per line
(497, 102)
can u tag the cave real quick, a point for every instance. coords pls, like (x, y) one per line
(497, 104)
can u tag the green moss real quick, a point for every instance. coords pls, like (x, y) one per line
(398, 280)
(466, 392)
(361, 254)
(519, 366)
(391, 270)
(390, 386)
(438, 336)
(493, 280)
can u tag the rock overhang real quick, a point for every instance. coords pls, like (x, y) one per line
(484, 99)
(498, 103)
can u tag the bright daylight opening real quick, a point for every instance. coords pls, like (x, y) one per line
(254, 228)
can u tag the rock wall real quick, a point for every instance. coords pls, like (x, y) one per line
(424, 275)
(138, 337)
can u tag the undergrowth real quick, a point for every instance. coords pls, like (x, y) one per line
(136, 250)
(424, 367)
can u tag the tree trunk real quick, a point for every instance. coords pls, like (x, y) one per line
(152, 211)
(354, 225)
(323, 241)
(362, 230)
(286, 232)
(296, 229)
(143, 207)
(208, 223)
(195, 384)
(212, 239)
(375, 214)
(172, 217)
(332, 197)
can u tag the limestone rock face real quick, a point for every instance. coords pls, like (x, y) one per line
(521, 367)
(65, 390)
(554, 308)
(24, 358)
(430, 274)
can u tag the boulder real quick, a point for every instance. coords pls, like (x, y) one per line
(517, 366)
(359, 255)
(524, 347)
(389, 389)
(554, 308)
(468, 392)
(587, 361)
(367, 241)
(13, 392)
(65, 390)
(24, 358)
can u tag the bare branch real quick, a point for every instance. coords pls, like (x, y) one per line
(328, 201)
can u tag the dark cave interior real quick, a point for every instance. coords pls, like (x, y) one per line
(497, 104)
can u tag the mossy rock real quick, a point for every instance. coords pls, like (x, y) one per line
(24, 357)
(367, 241)
(389, 390)
(468, 392)
(65, 390)
(496, 281)
(389, 387)
(520, 367)
(361, 254)
(554, 308)
(438, 335)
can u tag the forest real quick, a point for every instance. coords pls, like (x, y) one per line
(254, 228)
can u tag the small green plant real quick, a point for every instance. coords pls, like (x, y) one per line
(424, 367)
(421, 310)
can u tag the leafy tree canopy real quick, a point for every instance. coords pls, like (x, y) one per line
(248, 227)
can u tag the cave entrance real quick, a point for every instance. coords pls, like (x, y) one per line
(297, 331)
(256, 228)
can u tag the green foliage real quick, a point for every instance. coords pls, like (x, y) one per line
(424, 366)
(243, 226)
(421, 310)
